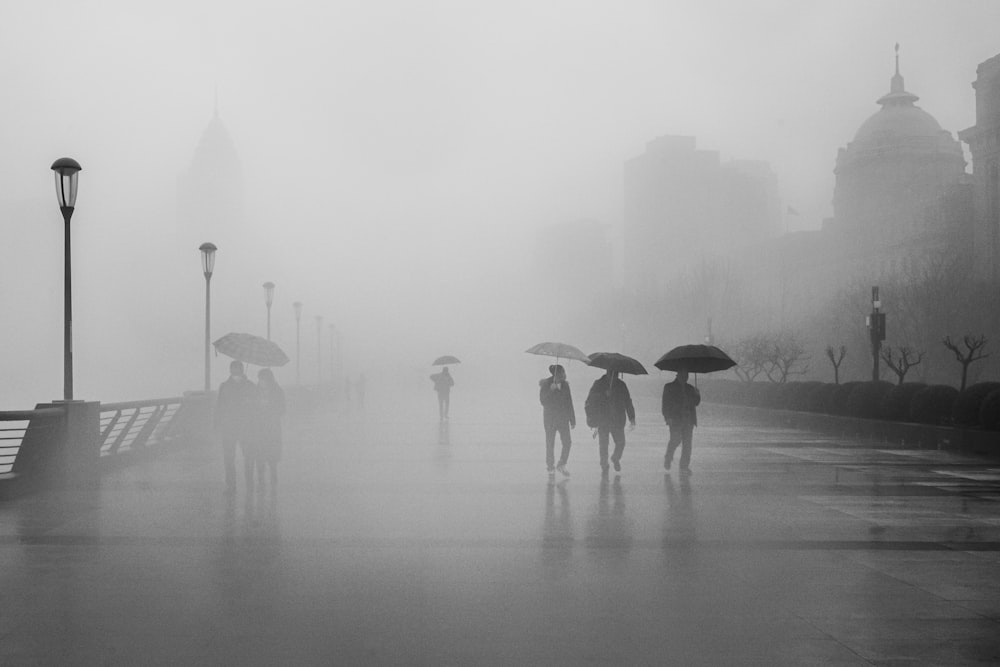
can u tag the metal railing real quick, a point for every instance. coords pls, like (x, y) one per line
(137, 425)
(24, 427)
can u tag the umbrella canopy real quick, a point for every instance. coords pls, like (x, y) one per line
(445, 360)
(695, 359)
(619, 363)
(559, 351)
(251, 349)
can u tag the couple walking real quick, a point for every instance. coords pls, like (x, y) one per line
(609, 407)
(250, 414)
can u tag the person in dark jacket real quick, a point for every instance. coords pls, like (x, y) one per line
(236, 422)
(558, 416)
(610, 403)
(271, 410)
(443, 383)
(678, 406)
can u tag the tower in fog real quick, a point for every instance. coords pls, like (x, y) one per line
(210, 192)
(983, 139)
(902, 194)
(683, 205)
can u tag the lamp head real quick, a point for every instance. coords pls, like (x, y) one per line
(207, 258)
(66, 171)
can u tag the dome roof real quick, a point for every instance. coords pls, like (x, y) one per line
(895, 122)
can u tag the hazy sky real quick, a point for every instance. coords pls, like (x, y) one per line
(401, 132)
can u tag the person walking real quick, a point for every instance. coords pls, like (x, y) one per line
(443, 383)
(608, 405)
(558, 416)
(678, 406)
(236, 423)
(272, 409)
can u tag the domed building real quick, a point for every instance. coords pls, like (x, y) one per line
(902, 193)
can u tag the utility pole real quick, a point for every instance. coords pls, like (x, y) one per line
(876, 331)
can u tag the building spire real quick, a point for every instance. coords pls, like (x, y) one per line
(897, 94)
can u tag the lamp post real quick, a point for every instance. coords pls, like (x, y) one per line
(876, 330)
(319, 349)
(333, 353)
(298, 341)
(207, 266)
(268, 299)
(66, 171)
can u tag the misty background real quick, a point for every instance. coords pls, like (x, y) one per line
(396, 163)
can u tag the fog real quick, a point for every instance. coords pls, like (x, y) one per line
(397, 161)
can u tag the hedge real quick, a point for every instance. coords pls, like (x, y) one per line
(969, 402)
(865, 400)
(896, 404)
(933, 404)
(989, 411)
(838, 400)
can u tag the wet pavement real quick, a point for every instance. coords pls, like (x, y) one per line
(399, 541)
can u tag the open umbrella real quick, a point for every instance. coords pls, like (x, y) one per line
(251, 349)
(695, 359)
(445, 360)
(619, 363)
(559, 351)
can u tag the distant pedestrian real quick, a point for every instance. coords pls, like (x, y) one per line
(443, 383)
(558, 416)
(608, 406)
(272, 409)
(236, 422)
(679, 402)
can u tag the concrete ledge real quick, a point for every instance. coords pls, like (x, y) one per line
(887, 433)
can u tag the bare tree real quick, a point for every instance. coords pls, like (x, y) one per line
(751, 357)
(901, 365)
(836, 358)
(784, 357)
(973, 352)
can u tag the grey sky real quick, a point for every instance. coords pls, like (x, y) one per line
(448, 128)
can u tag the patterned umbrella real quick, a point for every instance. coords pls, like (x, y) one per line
(251, 349)
(559, 351)
(619, 363)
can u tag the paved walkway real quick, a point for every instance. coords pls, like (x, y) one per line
(396, 542)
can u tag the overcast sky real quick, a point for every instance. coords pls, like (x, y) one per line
(449, 126)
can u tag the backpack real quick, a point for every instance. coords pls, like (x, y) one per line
(596, 408)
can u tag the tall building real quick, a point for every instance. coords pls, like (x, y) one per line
(901, 192)
(983, 139)
(683, 205)
(210, 192)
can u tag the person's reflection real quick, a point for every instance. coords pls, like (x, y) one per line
(557, 530)
(679, 528)
(609, 530)
(442, 453)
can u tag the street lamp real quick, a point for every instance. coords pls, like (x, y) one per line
(207, 266)
(319, 349)
(298, 341)
(269, 299)
(876, 330)
(66, 171)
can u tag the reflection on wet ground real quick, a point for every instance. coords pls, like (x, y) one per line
(413, 542)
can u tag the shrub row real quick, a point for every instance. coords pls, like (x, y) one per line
(976, 407)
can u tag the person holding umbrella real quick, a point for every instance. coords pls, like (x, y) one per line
(443, 383)
(679, 404)
(680, 399)
(608, 405)
(236, 422)
(558, 416)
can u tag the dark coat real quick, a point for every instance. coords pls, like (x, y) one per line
(236, 408)
(679, 402)
(442, 382)
(272, 408)
(557, 404)
(615, 403)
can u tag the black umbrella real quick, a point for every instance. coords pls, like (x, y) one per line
(445, 360)
(619, 363)
(695, 359)
(251, 349)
